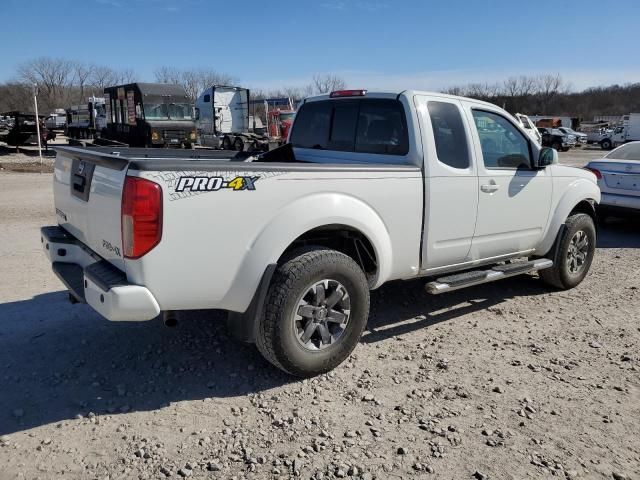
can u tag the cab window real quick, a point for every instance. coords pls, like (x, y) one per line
(449, 134)
(503, 145)
(364, 126)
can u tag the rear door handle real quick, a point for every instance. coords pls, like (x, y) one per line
(490, 187)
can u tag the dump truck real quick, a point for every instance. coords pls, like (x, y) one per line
(87, 120)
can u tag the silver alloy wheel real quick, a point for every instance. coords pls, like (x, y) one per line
(578, 252)
(321, 315)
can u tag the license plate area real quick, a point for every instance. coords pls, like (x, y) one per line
(623, 181)
(81, 176)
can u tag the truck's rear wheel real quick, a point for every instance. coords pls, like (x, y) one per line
(606, 144)
(315, 311)
(238, 144)
(226, 143)
(572, 253)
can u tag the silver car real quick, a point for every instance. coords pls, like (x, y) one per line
(618, 176)
(581, 138)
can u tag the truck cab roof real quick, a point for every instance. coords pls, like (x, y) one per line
(392, 94)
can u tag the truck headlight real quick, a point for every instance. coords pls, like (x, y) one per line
(155, 135)
(192, 135)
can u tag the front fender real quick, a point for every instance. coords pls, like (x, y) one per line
(298, 218)
(577, 191)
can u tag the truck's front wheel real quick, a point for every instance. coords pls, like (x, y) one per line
(572, 254)
(315, 311)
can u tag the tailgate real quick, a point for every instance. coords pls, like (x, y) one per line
(87, 189)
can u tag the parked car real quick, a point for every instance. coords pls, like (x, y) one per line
(618, 175)
(554, 138)
(372, 187)
(581, 138)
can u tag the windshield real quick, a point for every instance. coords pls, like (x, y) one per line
(630, 151)
(180, 111)
(156, 111)
(167, 111)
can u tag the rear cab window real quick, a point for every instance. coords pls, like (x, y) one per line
(371, 126)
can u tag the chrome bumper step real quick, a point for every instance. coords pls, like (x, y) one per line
(478, 277)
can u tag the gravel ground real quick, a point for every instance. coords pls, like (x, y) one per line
(503, 381)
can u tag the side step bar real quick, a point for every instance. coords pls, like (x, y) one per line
(477, 277)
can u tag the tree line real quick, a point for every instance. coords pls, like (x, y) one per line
(551, 95)
(63, 82)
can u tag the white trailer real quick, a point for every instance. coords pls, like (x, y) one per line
(223, 120)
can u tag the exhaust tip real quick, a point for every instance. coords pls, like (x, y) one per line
(169, 318)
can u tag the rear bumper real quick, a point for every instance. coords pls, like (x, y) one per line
(614, 201)
(95, 281)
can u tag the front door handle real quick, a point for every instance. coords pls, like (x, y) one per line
(490, 187)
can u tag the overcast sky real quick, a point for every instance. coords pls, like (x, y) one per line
(373, 44)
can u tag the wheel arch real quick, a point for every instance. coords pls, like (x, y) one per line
(581, 196)
(342, 217)
(343, 238)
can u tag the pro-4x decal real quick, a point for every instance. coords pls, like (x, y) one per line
(183, 184)
(212, 184)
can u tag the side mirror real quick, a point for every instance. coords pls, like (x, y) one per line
(548, 156)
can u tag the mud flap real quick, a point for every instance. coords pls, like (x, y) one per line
(244, 326)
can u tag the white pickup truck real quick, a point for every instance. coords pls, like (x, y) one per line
(372, 187)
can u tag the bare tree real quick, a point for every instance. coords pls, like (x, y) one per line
(102, 77)
(16, 96)
(547, 88)
(327, 83)
(519, 86)
(82, 73)
(127, 75)
(165, 74)
(194, 80)
(53, 77)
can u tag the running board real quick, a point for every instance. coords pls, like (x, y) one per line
(478, 277)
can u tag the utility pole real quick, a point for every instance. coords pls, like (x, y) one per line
(35, 102)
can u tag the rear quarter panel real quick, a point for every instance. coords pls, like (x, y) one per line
(216, 244)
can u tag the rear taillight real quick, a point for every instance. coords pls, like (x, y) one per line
(141, 216)
(595, 171)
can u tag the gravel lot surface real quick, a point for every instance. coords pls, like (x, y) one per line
(504, 381)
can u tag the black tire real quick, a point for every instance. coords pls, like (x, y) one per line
(556, 146)
(226, 143)
(606, 144)
(561, 275)
(277, 337)
(238, 144)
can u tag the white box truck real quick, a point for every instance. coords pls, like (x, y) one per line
(629, 131)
